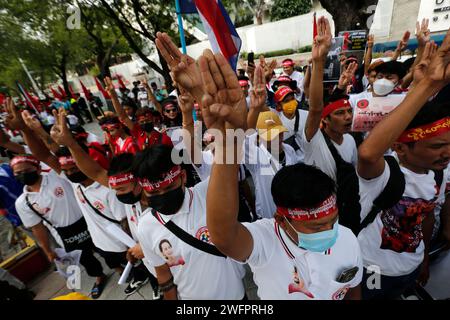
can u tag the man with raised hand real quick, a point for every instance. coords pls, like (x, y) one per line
(396, 240)
(302, 253)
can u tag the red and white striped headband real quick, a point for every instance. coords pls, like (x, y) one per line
(24, 159)
(121, 179)
(326, 208)
(166, 180)
(66, 161)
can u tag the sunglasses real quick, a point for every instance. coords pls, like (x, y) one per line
(171, 110)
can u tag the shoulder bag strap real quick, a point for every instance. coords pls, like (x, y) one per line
(35, 211)
(98, 211)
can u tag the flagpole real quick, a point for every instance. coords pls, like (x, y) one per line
(180, 26)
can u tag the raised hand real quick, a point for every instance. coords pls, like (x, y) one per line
(370, 41)
(439, 68)
(110, 86)
(423, 32)
(223, 101)
(258, 95)
(13, 120)
(347, 75)
(60, 132)
(403, 43)
(421, 68)
(268, 68)
(183, 68)
(4, 137)
(322, 42)
(32, 122)
(186, 102)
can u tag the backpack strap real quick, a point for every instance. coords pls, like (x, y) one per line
(36, 212)
(297, 120)
(391, 194)
(187, 238)
(96, 210)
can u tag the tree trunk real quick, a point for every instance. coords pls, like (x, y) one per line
(63, 73)
(349, 15)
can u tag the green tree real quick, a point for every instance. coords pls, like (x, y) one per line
(283, 9)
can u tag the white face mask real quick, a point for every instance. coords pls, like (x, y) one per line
(383, 87)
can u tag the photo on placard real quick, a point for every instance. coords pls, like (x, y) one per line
(332, 70)
(354, 40)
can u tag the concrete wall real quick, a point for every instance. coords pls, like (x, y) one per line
(295, 32)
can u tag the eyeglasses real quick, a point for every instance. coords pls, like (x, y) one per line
(171, 110)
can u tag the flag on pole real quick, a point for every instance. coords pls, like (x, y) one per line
(27, 97)
(187, 6)
(315, 33)
(56, 94)
(221, 32)
(86, 92)
(63, 92)
(121, 83)
(101, 89)
(72, 93)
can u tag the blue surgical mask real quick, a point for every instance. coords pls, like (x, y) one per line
(319, 241)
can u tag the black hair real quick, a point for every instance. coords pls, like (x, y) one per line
(243, 77)
(161, 243)
(144, 111)
(63, 152)
(123, 163)
(407, 64)
(153, 162)
(109, 120)
(430, 112)
(301, 186)
(335, 97)
(392, 67)
(127, 102)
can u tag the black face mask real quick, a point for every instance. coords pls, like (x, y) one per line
(128, 198)
(28, 178)
(148, 127)
(77, 177)
(168, 203)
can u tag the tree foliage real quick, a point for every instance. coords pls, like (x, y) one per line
(282, 9)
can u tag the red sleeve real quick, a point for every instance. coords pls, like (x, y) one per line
(132, 147)
(137, 131)
(166, 140)
(99, 157)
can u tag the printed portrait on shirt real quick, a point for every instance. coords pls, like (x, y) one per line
(298, 285)
(165, 247)
(402, 224)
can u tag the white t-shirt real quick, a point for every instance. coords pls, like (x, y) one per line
(394, 242)
(275, 258)
(55, 201)
(198, 275)
(73, 120)
(318, 154)
(105, 200)
(354, 98)
(204, 169)
(143, 98)
(299, 77)
(93, 138)
(263, 167)
(134, 215)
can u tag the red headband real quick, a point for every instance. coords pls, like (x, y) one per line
(121, 179)
(243, 83)
(24, 159)
(288, 63)
(65, 161)
(284, 79)
(147, 116)
(166, 179)
(326, 208)
(425, 132)
(334, 106)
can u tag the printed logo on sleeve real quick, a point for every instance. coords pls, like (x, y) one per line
(203, 235)
(99, 206)
(59, 192)
(340, 294)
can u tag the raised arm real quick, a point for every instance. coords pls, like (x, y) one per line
(15, 122)
(117, 105)
(186, 103)
(402, 44)
(436, 74)
(321, 47)
(307, 81)
(34, 124)
(183, 68)
(258, 97)
(229, 236)
(151, 97)
(61, 134)
(368, 54)
(6, 143)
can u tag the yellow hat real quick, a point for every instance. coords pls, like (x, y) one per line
(269, 125)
